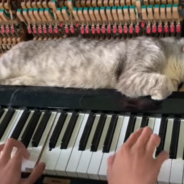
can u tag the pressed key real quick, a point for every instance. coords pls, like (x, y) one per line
(26, 137)
(130, 127)
(69, 130)
(110, 134)
(144, 121)
(57, 130)
(162, 134)
(15, 134)
(38, 134)
(87, 130)
(5, 121)
(98, 132)
(174, 139)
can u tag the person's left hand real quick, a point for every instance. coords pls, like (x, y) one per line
(10, 167)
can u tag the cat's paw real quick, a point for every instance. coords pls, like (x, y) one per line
(164, 89)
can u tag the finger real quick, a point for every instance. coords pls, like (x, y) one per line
(1, 147)
(110, 160)
(133, 138)
(8, 147)
(16, 161)
(36, 173)
(153, 143)
(144, 137)
(161, 158)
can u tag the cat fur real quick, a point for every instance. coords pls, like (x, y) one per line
(136, 67)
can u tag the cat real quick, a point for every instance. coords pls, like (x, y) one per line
(136, 67)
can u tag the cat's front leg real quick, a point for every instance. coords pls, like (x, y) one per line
(140, 84)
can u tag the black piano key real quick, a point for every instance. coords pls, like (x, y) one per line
(57, 130)
(69, 130)
(5, 122)
(26, 137)
(144, 121)
(39, 132)
(110, 134)
(130, 127)
(86, 132)
(174, 138)
(98, 132)
(1, 112)
(162, 133)
(16, 133)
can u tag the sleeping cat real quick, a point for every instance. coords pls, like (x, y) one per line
(136, 67)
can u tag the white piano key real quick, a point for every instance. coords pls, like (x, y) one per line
(27, 164)
(50, 158)
(103, 167)
(151, 123)
(64, 156)
(9, 128)
(168, 135)
(156, 130)
(181, 141)
(76, 154)
(3, 115)
(176, 176)
(36, 151)
(137, 123)
(164, 174)
(123, 132)
(97, 156)
(87, 153)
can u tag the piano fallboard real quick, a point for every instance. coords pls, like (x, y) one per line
(84, 100)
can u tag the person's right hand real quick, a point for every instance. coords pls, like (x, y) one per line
(10, 168)
(134, 162)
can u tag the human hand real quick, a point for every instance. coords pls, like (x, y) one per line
(134, 162)
(10, 167)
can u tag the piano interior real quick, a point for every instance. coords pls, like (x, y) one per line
(74, 130)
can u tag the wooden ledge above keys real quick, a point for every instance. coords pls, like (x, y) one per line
(102, 100)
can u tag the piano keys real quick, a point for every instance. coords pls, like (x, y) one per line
(74, 131)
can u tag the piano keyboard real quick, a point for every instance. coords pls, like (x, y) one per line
(77, 144)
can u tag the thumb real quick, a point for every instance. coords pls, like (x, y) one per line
(36, 173)
(110, 160)
(161, 158)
